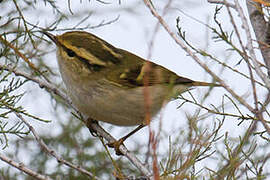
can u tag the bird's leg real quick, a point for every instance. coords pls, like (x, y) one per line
(119, 142)
(90, 121)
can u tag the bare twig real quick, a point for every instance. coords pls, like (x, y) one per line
(153, 137)
(133, 159)
(95, 127)
(260, 28)
(206, 68)
(262, 33)
(250, 46)
(23, 168)
(190, 53)
(255, 63)
(52, 152)
(221, 2)
(252, 80)
(40, 82)
(18, 53)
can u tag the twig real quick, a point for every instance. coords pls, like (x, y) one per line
(259, 26)
(133, 159)
(250, 47)
(153, 137)
(95, 127)
(221, 2)
(23, 168)
(206, 68)
(215, 110)
(190, 53)
(262, 33)
(252, 80)
(254, 60)
(52, 152)
(40, 82)
(18, 53)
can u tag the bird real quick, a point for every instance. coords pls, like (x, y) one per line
(109, 84)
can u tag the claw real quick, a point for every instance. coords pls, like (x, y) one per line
(120, 142)
(116, 145)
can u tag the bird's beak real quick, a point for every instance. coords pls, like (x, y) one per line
(51, 36)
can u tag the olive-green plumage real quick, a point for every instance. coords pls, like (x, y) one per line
(107, 83)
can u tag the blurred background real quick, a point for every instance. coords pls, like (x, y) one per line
(205, 123)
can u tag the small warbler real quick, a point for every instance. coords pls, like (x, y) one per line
(107, 84)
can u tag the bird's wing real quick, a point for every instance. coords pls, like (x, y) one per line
(136, 71)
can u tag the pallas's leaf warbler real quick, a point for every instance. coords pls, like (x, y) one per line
(106, 83)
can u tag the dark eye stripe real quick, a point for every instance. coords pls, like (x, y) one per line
(93, 67)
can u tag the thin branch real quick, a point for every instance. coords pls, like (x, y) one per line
(40, 82)
(206, 68)
(250, 46)
(95, 127)
(24, 22)
(190, 53)
(245, 56)
(262, 33)
(216, 111)
(23, 168)
(254, 60)
(222, 2)
(18, 53)
(258, 23)
(52, 152)
(133, 159)
(153, 140)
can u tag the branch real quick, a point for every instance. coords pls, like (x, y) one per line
(133, 159)
(253, 58)
(245, 56)
(49, 87)
(18, 53)
(40, 82)
(23, 168)
(206, 68)
(250, 46)
(52, 152)
(190, 53)
(262, 33)
(221, 2)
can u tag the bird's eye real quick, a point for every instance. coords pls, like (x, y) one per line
(70, 53)
(96, 67)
